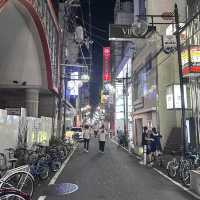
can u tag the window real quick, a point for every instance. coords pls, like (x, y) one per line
(144, 81)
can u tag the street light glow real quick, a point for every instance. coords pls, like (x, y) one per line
(85, 78)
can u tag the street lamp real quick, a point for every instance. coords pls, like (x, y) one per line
(85, 78)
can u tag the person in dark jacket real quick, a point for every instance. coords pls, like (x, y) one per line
(156, 143)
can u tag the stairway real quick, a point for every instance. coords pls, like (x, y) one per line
(174, 142)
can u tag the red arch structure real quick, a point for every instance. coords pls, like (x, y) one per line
(28, 4)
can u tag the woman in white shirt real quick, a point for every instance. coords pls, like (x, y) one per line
(86, 136)
(102, 138)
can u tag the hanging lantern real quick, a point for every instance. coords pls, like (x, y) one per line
(79, 34)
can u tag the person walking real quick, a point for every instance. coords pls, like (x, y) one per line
(86, 136)
(119, 136)
(102, 139)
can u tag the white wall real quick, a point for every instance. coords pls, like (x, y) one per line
(38, 130)
(9, 127)
(21, 56)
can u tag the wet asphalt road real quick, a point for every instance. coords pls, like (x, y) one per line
(114, 175)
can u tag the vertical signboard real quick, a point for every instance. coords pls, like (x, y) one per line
(106, 64)
(191, 61)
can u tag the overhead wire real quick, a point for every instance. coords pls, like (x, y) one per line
(97, 28)
(83, 55)
(99, 37)
(82, 15)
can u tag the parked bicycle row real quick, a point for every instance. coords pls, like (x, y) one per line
(22, 168)
(181, 168)
(177, 167)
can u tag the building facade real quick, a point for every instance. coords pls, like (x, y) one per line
(155, 73)
(30, 57)
(122, 54)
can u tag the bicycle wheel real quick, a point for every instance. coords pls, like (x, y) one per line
(171, 169)
(21, 181)
(185, 175)
(13, 196)
(44, 172)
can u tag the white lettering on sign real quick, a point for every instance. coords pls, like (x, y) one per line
(169, 43)
(129, 31)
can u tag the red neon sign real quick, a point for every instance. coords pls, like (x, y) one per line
(106, 64)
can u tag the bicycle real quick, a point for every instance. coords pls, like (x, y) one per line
(39, 166)
(194, 163)
(18, 178)
(12, 193)
(175, 167)
(54, 159)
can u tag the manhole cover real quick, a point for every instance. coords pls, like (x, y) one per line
(61, 189)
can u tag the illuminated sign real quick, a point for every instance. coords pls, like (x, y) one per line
(106, 64)
(191, 61)
(73, 85)
(120, 32)
(173, 97)
(169, 98)
(169, 43)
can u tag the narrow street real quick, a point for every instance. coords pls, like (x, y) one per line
(114, 175)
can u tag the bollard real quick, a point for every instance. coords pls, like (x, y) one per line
(145, 154)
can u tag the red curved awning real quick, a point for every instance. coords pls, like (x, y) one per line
(42, 34)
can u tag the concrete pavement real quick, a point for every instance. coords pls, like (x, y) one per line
(114, 175)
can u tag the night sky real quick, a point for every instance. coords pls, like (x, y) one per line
(102, 16)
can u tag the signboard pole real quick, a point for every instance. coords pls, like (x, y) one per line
(124, 105)
(181, 79)
(64, 123)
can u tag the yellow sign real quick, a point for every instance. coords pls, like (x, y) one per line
(194, 56)
(69, 134)
(42, 137)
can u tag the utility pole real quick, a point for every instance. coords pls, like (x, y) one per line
(90, 45)
(126, 120)
(124, 105)
(183, 119)
(64, 123)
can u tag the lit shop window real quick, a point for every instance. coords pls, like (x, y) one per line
(173, 97)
